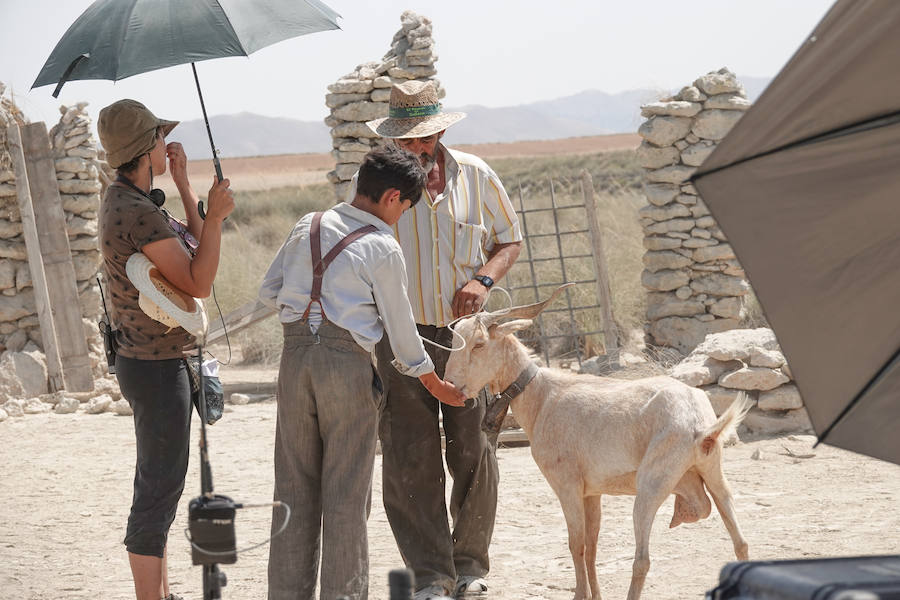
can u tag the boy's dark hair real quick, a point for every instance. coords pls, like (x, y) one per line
(389, 167)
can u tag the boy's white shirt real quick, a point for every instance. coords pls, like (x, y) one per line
(364, 290)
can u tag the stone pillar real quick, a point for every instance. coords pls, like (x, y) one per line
(363, 95)
(77, 175)
(77, 172)
(696, 285)
(16, 302)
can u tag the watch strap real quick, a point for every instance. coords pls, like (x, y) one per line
(484, 280)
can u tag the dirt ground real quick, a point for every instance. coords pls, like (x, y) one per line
(66, 489)
(283, 170)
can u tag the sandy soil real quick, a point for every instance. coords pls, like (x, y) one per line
(267, 172)
(66, 489)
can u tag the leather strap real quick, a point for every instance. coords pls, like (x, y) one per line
(321, 264)
(497, 410)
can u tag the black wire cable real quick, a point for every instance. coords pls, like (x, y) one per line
(224, 329)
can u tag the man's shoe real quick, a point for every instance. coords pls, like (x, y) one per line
(432, 592)
(470, 584)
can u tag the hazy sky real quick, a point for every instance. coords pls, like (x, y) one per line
(491, 52)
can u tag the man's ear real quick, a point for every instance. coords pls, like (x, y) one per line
(388, 195)
(502, 329)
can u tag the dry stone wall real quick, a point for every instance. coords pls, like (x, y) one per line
(696, 285)
(75, 153)
(363, 95)
(747, 361)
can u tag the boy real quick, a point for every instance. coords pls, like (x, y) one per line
(328, 392)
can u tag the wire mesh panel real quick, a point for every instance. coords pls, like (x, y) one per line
(557, 249)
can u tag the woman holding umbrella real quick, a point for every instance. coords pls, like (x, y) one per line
(150, 364)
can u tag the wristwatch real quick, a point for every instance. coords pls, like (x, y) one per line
(484, 280)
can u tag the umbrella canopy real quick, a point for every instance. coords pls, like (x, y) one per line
(806, 189)
(127, 37)
(115, 39)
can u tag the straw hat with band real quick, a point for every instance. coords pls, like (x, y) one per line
(414, 112)
(162, 301)
(127, 129)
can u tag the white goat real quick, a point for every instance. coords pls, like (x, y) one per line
(591, 435)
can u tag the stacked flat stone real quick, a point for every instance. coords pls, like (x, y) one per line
(696, 285)
(18, 318)
(78, 177)
(363, 95)
(75, 153)
(747, 361)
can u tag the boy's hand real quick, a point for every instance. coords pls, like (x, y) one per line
(444, 391)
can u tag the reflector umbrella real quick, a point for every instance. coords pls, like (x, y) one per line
(807, 190)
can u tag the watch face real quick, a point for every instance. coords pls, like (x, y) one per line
(485, 280)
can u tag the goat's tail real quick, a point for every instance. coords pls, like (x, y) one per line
(726, 423)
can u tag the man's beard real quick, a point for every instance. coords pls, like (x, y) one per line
(428, 162)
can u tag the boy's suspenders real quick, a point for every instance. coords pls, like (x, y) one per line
(320, 264)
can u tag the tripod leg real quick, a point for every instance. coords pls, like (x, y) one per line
(213, 582)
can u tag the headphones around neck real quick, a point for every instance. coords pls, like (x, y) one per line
(156, 195)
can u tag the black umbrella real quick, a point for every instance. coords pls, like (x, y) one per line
(115, 39)
(807, 190)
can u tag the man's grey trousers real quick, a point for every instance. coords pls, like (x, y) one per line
(413, 473)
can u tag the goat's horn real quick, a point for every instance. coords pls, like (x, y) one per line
(528, 311)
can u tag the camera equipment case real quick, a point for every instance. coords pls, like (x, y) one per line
(846, 578)
(211, 524)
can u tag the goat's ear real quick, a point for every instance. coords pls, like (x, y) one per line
(503, 329)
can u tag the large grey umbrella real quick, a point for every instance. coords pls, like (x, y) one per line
(115, 39)
(807, 189)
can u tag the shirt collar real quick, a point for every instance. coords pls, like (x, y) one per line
(451, 172)
(348, 210)
(450, 165)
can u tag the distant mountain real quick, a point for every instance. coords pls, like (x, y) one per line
(591, 112)
(586, 113)
(248, 134)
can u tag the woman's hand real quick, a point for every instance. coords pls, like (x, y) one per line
(177, 162)
(220, 200)
(444, 391)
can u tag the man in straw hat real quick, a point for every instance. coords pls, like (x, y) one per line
(334, 310)
(461, 237)
(150, 365)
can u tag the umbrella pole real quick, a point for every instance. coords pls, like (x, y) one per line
(212, 144)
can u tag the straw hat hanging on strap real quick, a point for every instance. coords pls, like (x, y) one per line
(162, 301)
(321, 264)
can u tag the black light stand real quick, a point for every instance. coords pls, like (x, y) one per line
(211, 519)
(211, 516)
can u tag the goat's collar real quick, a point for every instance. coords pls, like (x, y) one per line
(517, 386)
(502, 400)
(497, 411)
